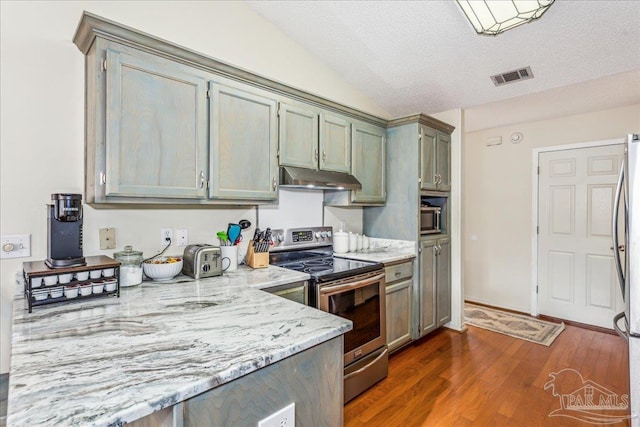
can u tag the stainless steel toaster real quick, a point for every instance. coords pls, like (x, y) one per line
(202, 260)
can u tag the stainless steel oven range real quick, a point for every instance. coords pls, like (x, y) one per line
(347, 288)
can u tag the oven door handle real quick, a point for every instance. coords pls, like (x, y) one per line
(354, 285)
(359, 371)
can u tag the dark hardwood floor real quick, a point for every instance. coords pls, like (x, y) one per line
(482, 378)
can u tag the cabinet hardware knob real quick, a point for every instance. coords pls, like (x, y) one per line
(274, 184)
(201, 179)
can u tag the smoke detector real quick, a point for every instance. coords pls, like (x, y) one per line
(512, 76)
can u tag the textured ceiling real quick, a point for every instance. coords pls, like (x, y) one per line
(423, 56)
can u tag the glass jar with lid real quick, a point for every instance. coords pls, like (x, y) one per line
(131, 266)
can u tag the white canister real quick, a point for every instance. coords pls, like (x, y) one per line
(340, 242)
(229, 256)
(365, 242)
(353, 242)
(359, 242)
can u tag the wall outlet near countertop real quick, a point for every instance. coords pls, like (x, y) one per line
(285, 417)
(166, 236)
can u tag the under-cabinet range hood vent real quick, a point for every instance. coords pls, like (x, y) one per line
(317, 179)
(512, 76)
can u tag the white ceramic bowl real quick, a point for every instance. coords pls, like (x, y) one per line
(65, 278)
(71, 291)
(36, 282)
(82, 275)
(51, 280)
(85, 289)
(56, 292)
(162, 272)
(40, 295)
(110, 286)
(98, 287)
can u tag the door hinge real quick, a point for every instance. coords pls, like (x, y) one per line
(537, 229)
(103, 64)
(536, 289)
(538, 170)
(209, 93)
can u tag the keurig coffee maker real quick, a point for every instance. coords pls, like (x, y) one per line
(64, 231)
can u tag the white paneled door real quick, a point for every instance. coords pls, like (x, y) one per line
(576, 274)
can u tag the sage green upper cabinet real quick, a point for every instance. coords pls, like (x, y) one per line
(156, 132)
(314, 139)
(243, 132)
(435, 155)
(335, 143)
(298, 136)
(368, 162)
(166, 125)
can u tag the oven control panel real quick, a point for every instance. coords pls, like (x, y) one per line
(304, 237)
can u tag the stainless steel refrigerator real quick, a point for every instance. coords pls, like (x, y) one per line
(626, 244)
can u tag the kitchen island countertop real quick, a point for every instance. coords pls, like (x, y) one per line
(107, 361)
(386, 251)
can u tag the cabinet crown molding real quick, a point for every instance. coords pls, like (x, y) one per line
(422, 119)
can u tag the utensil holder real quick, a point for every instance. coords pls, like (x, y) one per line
(257, 259)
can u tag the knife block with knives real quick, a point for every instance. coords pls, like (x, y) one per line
(258, 252)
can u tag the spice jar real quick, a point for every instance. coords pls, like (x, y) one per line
(131, 266)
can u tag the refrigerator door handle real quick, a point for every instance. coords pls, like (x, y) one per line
(614, 230)
(623, 334)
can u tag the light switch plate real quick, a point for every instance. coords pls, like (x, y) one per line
(15, 246)
(107, 238)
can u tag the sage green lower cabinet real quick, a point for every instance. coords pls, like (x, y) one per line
(435, 285)
(312, 379)
(244, 143)
(156, 127)
(399, 302)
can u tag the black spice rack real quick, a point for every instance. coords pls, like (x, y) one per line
(100, 277)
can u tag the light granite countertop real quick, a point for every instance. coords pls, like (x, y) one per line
(107, 361)
(386, 251)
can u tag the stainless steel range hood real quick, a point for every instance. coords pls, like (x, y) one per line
(317, 179)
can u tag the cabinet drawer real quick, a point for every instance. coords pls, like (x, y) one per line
(397, 272)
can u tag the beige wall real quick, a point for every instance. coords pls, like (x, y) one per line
(42, 86)
(497, 199)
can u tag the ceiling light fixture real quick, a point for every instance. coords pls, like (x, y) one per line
(492, 17)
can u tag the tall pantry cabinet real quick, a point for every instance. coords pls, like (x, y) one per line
(417, 173)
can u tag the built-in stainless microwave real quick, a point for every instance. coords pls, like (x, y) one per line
(430, 220)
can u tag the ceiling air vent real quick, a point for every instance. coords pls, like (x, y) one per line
(512, 76)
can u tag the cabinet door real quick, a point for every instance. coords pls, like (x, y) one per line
(156, 128)
(335, 143)
(428, 138)
(443, 286)
(443, 161)
(298, 137)
(368, 162)
(398, 305)
(243, 145)
(428, 273)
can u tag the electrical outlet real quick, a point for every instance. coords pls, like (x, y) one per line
(182, 237)
(285, 417)
(166, 235)
(107, 238)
